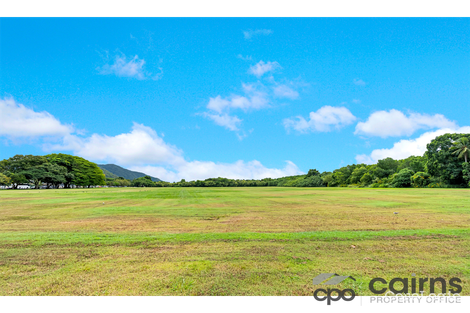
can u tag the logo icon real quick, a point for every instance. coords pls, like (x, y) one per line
(332, 279)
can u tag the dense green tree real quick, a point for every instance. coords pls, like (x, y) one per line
(315, 181)
(414, 163)
(342, 175)
(461, 148)
(20, 163)
(420, 180)
(312, 172)
(366, 179)
(35, 175)
(402, 178)
(466, 172)
(80, 172)
(442, 163)
(327, 179)
(357, 174)
(55, 175)
(386, 167)
(4, 180)
(17, 179)
(145, 181)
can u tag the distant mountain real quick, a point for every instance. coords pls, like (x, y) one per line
(107, 173)
(114, 171)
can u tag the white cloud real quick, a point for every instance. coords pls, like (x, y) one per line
(408, 147)
(141, 146)
(225, 120)
(254, 99)
(323, 120)
(284, 91)
(356, 101)
(359, 82)
(201, 170)
(249, 34)
(218, 104)
(16, 121)
(395, 123)
(143, 150)
(219, 108)
(133, 68)
(260, 68)
(245, 58)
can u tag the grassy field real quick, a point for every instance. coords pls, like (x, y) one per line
(227, 241)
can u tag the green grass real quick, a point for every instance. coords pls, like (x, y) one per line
(227, 241)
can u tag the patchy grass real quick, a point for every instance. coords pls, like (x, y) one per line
(227, 241)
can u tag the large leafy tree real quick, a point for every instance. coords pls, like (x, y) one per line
(342, 175)
(461, 148)
(35, 175)
(414, 163)
(442, 163)
(466, 172)
(55, 175)
(17, 166)
(20, 163)
(80, 172)
(357, 174)
(4, 180)
(17, 179)
(386, 167)
(145, 181)
(402, 178)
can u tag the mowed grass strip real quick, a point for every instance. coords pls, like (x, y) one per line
(217, 210)
(136, 265)
(227, 241)
(82, 238)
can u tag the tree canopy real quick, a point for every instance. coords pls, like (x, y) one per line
(52, 169)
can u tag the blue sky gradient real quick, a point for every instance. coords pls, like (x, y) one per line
(201, 97)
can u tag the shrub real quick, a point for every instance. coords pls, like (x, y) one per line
(402, 178)
(420, 180)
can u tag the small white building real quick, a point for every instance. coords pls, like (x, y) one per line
(24, 187)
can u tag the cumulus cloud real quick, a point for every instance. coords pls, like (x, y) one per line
(284, 91)
(133, 68)
(245, 58)
(394, 123)
(16, 121)
(249, 34)
(143, 150)
(141, 146)
(219, 108)
(260, 68)
(253, 96)
(359, 82)
(225, 120)
(408, 147)
(323, 120)
(201, 170)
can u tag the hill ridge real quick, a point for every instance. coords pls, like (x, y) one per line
(118, 171)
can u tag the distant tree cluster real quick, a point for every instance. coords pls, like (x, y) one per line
(117, 182)
(444, 164)
(51, 170)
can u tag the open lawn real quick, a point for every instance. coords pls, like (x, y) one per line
(227, 241)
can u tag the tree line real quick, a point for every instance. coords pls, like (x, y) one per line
(53, 170)
(444, 164)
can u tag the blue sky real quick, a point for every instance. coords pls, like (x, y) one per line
(237, 97)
